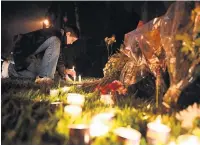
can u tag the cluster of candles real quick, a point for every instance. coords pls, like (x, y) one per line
(79, 76)
(55, 92)
(81, 134)
(157, 133)
(75, 102)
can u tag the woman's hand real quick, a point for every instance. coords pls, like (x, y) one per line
(71, 72)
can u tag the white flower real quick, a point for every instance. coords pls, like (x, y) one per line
(188, 115)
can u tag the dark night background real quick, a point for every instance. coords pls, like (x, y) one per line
(97, 19)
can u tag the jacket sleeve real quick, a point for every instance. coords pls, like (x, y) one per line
(61, 66)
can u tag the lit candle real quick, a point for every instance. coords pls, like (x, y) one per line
(188, 139)
(128, 136)
(157, 132)
(97, 128)
(79, 134)
(103, 117)
(75, 99)
(79, 78)
(54, 92)
(73, 68)
(65, 89)
(107, 99)
(74, 78)
(73, 110)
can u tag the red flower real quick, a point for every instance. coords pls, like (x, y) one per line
(115, 86)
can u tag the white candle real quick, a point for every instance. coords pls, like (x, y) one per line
(157, 132)
(103, 117)
(73, 110)
(79, 78)
(65, 89)
(73, 68)
(98, 128)
(54, 92)
(75, 99)
(188, 139)
(107, 99)
(74, 78)
(79, 134)
(128, 136)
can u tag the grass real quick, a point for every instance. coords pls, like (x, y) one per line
(28, 118)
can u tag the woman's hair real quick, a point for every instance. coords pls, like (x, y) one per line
(73, 30)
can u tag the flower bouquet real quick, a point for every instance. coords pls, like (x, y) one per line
(110, 91)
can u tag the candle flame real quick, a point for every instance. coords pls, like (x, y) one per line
(148, 106)
(79, 78)
(87, 138)
(46, 22)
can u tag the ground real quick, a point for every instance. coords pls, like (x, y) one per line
(28, 118)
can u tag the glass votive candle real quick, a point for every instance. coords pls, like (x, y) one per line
(103, 117)
(65, 89)
(128, 136)
(73, 110)
(79, 134)
(107, 99)
(98, 128)
(157, 133)
(75, 99)
(188, 139)
(54, 92)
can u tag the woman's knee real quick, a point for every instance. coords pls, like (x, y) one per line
(56, 44)
(56, 40)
